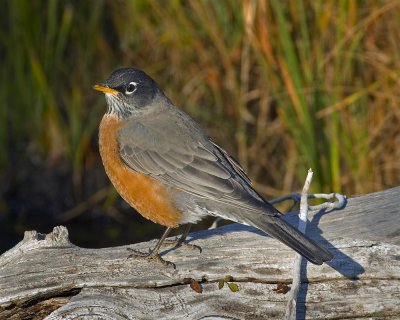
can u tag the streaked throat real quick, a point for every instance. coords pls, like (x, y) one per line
(117, 106)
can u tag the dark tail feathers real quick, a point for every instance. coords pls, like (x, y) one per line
(284, 232)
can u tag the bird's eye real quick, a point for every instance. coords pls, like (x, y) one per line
(131, 88)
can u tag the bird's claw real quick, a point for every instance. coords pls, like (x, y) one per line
(150, 256)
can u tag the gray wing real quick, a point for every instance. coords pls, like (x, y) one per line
(181, 155)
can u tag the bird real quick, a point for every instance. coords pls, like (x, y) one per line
(165, 166)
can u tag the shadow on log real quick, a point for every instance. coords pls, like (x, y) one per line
(46, 276)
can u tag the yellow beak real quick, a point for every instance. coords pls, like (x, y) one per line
(104, 89)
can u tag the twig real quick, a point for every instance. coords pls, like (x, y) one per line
(292, 302)
(340, 203)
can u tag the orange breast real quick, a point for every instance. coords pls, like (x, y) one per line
(148, 196)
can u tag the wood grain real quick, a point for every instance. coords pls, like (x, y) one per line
(46, 275)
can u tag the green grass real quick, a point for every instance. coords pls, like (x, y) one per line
(283, 85)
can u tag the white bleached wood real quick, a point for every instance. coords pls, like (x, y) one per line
(48, 276)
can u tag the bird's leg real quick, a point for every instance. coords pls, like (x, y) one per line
(181, 241)
(154, 252)
(154, 255)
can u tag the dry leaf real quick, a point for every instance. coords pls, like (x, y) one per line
(196, 286)
(281, 288)
(228, 278)
(233, 286)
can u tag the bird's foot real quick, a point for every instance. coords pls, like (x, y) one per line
(153, 256)
(178, 243)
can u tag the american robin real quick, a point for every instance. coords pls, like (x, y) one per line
(167, 168)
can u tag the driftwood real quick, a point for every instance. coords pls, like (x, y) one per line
(46, 276)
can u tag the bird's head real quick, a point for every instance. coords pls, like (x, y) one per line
(128, 91)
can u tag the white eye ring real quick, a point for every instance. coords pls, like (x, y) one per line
(131, 88)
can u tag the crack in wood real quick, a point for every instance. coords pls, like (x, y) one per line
(38, 307)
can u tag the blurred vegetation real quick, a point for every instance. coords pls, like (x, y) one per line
(282, 85)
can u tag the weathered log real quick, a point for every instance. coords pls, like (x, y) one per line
(46, 275)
